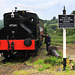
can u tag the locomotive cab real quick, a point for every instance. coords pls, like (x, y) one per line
(20, 32)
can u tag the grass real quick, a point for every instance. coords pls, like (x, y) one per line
(54, 24)
(45, 66)
(25, 72)
(41, 65)
(39, 61)
(12, 63)
(58, 40)
(50, 71)
(53, 60)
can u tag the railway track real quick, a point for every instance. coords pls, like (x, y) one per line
(15, 69)
(10, 69)
(7, 67)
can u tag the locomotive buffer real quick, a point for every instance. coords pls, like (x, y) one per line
(65, 21)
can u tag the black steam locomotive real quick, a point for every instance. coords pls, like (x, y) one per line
(21, 33)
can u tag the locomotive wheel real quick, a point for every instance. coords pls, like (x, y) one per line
(5, 54)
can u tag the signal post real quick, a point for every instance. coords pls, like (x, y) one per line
(65, 21)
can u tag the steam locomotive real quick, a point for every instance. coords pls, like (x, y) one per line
(21, 33)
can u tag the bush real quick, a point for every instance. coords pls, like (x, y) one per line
(40, 61)
(67, 69)
(40, 69)
(42, 65)
(53, 60)
(46, 66)
(48, 62)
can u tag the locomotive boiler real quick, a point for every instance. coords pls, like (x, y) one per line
(21, 33)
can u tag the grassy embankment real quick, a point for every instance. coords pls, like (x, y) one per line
(58, 40)
(55, 38)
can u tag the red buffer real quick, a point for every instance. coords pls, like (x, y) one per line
(18, 45)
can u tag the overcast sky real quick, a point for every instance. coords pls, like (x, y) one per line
(46, 9)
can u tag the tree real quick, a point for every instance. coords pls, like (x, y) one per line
(45, 29)
(59, 32)
(53, 27)
(73, 12)
(54, 18)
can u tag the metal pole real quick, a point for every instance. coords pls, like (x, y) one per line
(64, 43)
(64, 48)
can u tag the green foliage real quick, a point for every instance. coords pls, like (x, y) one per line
(70, 32)
(53, 60)
(58, 40)
(52, 21)
(50, 30)
(8, 63)
(45, 29)
(40, 69)
(73, 12)
(67, 69)
(30, 59)
(59, 53)
(40, 61)
(54, 18)
(17, 73)
(68, 57)
(45, 66)
(59, 32)
(52, 27)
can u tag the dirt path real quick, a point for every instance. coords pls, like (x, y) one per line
(70, 51)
